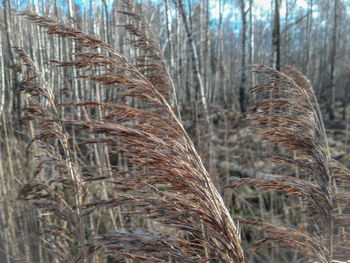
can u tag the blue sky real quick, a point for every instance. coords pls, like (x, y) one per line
(261, 7)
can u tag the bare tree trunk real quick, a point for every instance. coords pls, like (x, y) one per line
(207, 70)
(2, 87)
(204, 37)
(242, 87)
(220, 50)
(106, 22)
(173, 99)
(75, 85)
(276, 38)
(308, 39)
(39, 49)
(251, 39)
(5, 233)
(12, 75)
(168, 27)
(194, 59)
(286, 35)
(332, 59)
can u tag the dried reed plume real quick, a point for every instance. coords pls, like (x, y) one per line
(164, 179)
(288, 116)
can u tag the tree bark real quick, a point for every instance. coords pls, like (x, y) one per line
(251, 39)
(106, 20)
(333, 60)
(276, 38)
(12, 75)
(194, 55)
(220, 50)
(242, 87)
(308, 39)
(3, 83)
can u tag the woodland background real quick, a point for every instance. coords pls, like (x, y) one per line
(209, 46)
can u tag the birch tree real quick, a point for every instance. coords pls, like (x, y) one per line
(195, 59)
(242, 99)
(333, 59)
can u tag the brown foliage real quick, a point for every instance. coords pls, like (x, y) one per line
(164, 180)
(288, 116)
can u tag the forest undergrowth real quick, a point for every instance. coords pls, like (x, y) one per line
(117, 178)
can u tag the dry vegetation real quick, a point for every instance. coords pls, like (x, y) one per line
(120, 180)
(163, 179)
